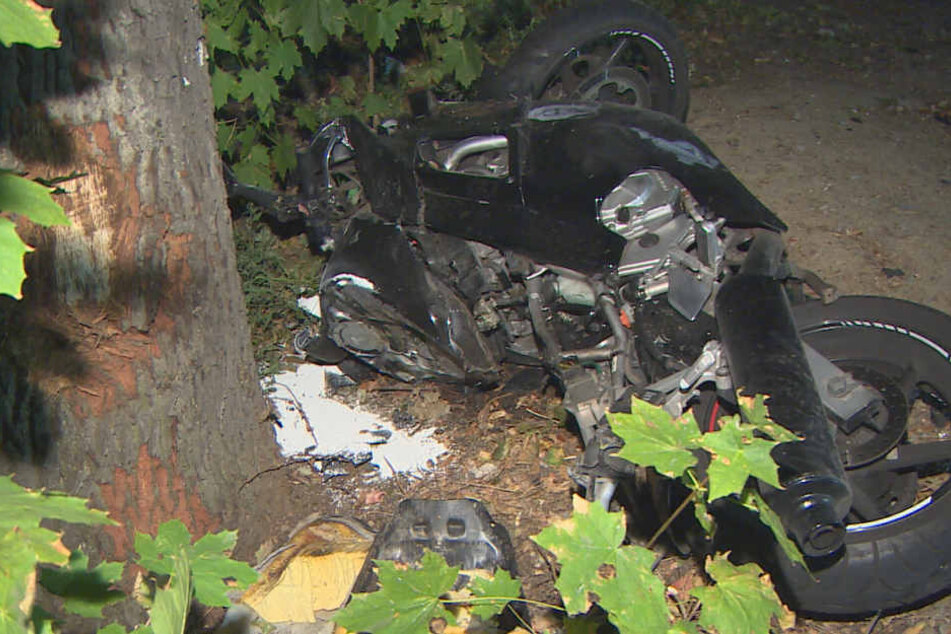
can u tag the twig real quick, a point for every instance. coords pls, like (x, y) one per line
(286, 463)
(673, 516)
(519, 618)
(396, 477)
(542, 416)
(484, 411)
(300, 408)
(878, 616)
(482, 485)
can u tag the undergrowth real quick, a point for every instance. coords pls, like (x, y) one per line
(274, 274)
(601, 578)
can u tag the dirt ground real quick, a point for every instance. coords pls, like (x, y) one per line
(835, 114)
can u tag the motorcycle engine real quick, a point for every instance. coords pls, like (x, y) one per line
(671, 247)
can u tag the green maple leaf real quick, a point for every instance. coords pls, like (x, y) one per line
(453, 19)
(315, 21)
(752, 500)
(306, 117)
(757, 414)
(652, 438)
(24, 543)
(376, 104)
(12, 250)
(736, 454)
(407, 600)
(284, 59)
(85, 591)
(207, 560)
(284, 154)
(683, 627)
(33, 201)
(223, 85)
(380, 22)
(634, 597)
(219, 38)
(211, 564)
(742, 601)
(462, 58)
(158, 554)
(258, 38)
(702, 514)
(170, 609)
(501, 586)
(582, 544)
(17, 565)
(254, 168)
(22, 508)
(25, 22)
(29, 199)
(260, 85)
(224, 134)
(392, 18)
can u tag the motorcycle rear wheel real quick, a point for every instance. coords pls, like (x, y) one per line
(898, 557)
(610, 50)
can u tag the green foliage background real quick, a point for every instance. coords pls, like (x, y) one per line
(282, 67)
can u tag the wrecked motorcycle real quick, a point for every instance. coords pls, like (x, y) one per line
(609, 246)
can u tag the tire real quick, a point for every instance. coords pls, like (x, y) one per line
(563, 58)
(901, 559)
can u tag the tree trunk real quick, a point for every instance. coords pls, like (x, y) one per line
(127, 371)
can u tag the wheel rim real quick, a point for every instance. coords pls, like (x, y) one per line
(623, 67)
(904, 468)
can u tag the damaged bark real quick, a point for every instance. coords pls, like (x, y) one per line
(132, 335)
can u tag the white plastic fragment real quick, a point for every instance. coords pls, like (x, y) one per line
(310, 305)
(311, 424)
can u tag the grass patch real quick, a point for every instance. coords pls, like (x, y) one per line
(274, 273)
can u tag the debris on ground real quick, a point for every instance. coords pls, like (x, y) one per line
(313, 573)
(311, 424)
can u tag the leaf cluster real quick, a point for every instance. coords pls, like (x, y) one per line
(596, 567)
(24, 544)
(411, 598)
(739, 450)
(21, 197)
(262, 49)
(180, 570)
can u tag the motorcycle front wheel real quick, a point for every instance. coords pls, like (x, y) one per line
(609, 50)
(896, 552)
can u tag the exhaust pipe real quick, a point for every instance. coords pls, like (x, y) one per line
(766, 356)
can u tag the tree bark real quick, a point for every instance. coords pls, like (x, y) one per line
(132, 334)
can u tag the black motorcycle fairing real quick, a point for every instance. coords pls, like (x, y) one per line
(563, 160)
(574, 161)
(382, 305)
(385, 166)
(585, 247)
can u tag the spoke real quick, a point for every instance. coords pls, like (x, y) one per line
(603, 68)
(908, 457)
(617, 51)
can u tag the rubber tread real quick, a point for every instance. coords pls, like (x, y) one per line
(906, 562)
(531, 65)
